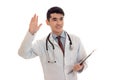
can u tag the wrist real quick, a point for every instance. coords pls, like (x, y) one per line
(31, 32)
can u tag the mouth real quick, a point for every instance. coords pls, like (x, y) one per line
(58, 27)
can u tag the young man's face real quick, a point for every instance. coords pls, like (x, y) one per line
(56, 23)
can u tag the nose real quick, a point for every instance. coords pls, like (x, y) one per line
(59, 22)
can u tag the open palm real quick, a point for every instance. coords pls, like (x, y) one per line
(33, 26)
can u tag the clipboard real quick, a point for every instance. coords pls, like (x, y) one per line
(83, 60)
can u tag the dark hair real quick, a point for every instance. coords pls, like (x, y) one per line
(55, 9)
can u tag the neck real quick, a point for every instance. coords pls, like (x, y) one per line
(58, 33)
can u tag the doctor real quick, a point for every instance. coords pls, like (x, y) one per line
(59, 52)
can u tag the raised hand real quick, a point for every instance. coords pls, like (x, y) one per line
(33, 26)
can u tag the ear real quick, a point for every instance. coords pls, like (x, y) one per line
(47, 22)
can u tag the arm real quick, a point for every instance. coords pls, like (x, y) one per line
(25, 49)
(81, 54)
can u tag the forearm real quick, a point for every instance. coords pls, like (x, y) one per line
(81, 55)
(25, 49)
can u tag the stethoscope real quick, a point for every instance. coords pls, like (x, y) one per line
(53, 47)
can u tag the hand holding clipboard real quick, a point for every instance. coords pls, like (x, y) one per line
(83, 60)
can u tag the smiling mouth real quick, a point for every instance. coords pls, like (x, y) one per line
(58, 27)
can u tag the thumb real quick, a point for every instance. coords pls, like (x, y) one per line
(39, 25)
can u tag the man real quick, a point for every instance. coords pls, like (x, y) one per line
(59, 52)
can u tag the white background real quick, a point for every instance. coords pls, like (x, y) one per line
(96, 22)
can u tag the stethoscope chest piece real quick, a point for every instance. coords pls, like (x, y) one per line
(71, 47)
(51, 61)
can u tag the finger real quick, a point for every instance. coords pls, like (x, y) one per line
(40, 25)
(31, 20)
(75, 68)
(36, 20)
(34, 17)
(37, 28)
(78, 66)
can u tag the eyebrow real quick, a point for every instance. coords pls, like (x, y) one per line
(57, 18)
(54, 18)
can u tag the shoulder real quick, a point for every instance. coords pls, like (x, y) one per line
(74, 37)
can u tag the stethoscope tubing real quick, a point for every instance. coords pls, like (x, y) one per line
(48, 40)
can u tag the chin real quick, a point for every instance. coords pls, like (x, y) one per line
(58, 31)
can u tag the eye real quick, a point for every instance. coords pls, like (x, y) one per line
(61, 19)
(54, 19)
